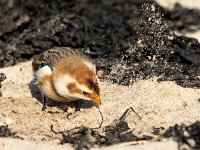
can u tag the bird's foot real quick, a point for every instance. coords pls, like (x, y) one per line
(44, 101)
(44, 108)
(74, 109)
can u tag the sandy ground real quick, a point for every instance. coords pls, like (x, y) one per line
(192, 4)
(158, 104)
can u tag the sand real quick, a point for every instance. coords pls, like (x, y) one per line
(192, 4)
(157, 103)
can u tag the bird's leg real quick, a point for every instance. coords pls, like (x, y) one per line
(44, 100)
(77, 105)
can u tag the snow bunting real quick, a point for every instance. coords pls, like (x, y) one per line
(64, 74)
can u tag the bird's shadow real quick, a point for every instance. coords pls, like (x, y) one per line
(61, 105)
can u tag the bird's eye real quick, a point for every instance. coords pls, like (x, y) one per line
(85, 93)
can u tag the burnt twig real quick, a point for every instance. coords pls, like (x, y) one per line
(125, 114)
(101, 121)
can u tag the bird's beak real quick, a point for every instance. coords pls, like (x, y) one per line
(97, 100)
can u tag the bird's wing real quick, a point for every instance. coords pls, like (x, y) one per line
(52, 56)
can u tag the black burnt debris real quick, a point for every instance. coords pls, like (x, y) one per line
(6, 132)
(129, 40)
(184, 19)
(157, 130)
(2, 77)
(25, 31)
(117, 132)
(187, 136)
(184, 134)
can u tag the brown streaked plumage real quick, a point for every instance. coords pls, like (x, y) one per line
(64, 74)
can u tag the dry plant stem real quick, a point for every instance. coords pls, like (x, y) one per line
(125, 114)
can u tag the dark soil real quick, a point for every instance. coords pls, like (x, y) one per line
(184, 134)
(117, 132)
(185, 19)
(2, 77)
(6, 132)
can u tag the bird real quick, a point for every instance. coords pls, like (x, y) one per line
(65, 74)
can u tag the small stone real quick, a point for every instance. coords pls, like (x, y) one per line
(184, 146)
(8, 121)
(5, 131)
(186, 134)
(100, 73)
(191, 142)
(2, 77)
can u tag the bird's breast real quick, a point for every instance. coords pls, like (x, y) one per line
(45, 84)
(46, 87)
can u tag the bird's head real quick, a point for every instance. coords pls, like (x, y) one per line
(79, 83)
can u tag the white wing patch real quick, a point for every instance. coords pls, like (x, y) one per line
(46, 70)
(39, 74)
